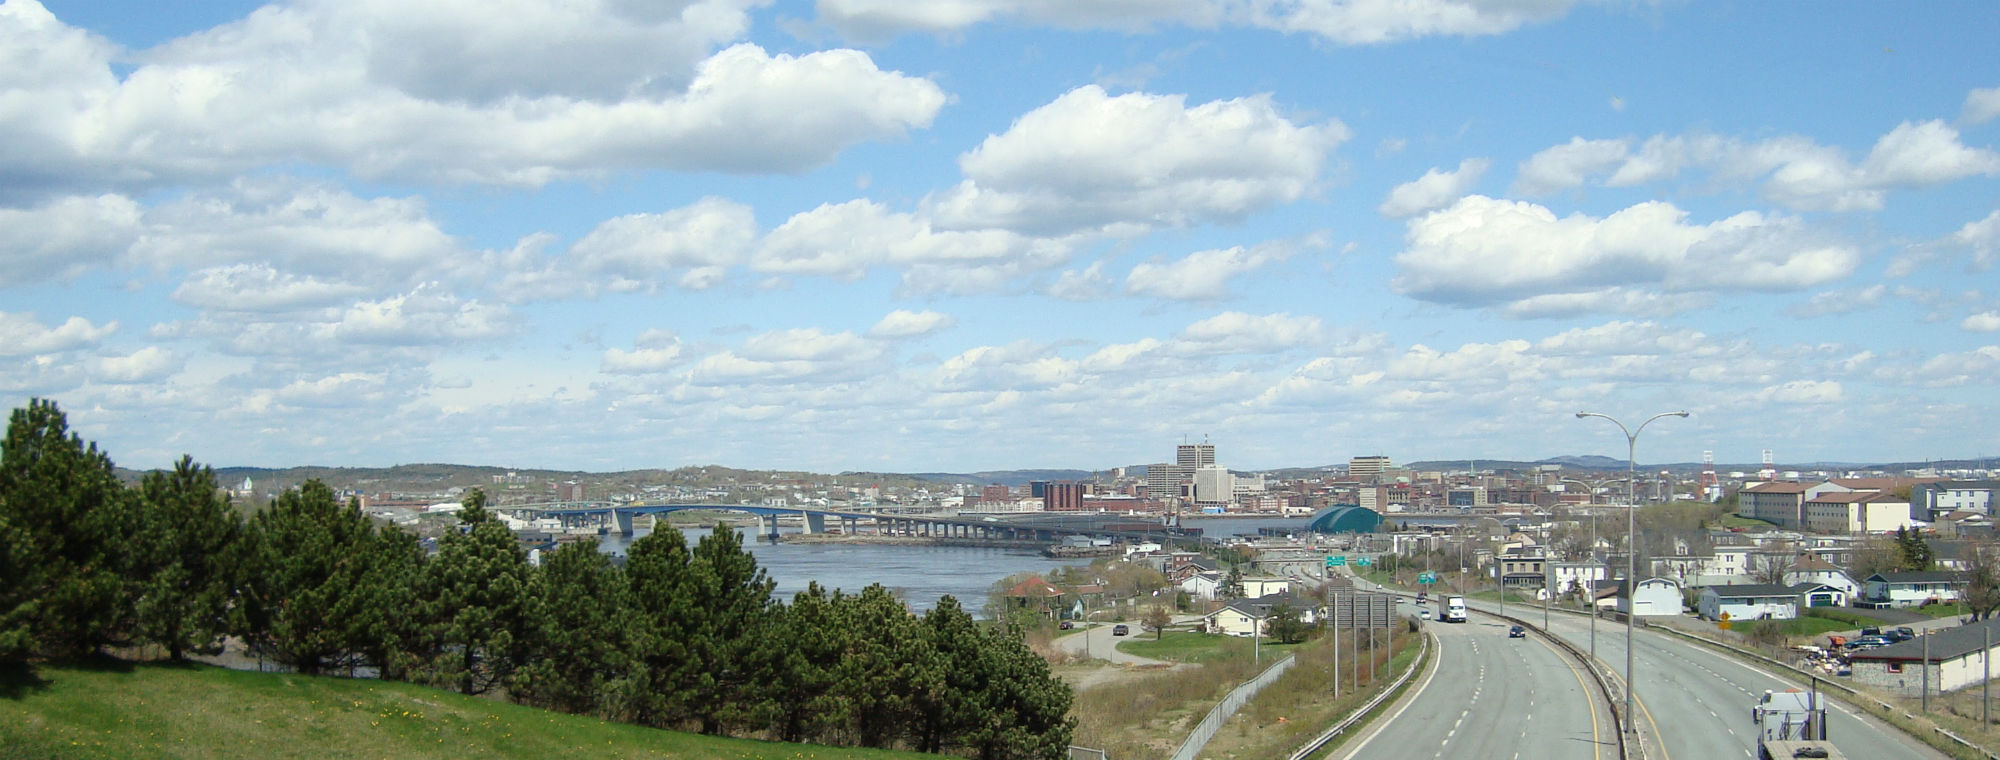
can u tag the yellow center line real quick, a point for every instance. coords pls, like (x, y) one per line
(1658, 737)
(1595, 741)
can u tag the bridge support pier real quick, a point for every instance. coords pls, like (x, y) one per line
(815, 522)
(624, 521)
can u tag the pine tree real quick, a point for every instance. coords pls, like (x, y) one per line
(876, 677)
(386, 629)
(730, 636)
(71, 523)
(579, 660)
(476, 603)
(303, 589)
(656, 567)
(804, 705)
(948, 685)
(1025, 706)
(184, 559)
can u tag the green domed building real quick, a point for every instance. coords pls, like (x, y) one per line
(1345, 519)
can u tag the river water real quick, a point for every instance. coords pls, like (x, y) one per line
(920, 575)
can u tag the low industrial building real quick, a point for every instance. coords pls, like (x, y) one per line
(1654, 597)
(1956, 659)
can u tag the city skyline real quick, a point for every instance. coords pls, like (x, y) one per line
(852, 235)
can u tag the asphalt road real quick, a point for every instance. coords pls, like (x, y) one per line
(1694, 703)
(1493, 697)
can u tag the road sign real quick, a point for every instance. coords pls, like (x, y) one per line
(1340, 561)
(1363, 561)
(1427, 578)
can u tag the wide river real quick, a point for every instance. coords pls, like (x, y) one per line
(920, 575)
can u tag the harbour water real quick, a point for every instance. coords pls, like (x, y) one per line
(920, 575)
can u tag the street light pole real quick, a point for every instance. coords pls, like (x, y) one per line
(1631, 540)
(1590, 590)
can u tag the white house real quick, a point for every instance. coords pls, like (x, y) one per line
(1957, 659)
(1203, 585)
(1249, 617)
(1655, 596)
(1208, 585)
(1574, 577)
(1812, 569)
(1750, 601)
(1911, 589)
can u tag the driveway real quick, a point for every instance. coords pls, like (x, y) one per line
(1094, 640)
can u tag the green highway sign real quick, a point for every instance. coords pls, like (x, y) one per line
(1427, 578)
(1363, 561)
(1339, 561)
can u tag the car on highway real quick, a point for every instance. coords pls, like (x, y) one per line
(1517, 632)
(1120, 630)
(1425, 614)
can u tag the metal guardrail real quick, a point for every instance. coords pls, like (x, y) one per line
(1237, 697)
(1356, 716)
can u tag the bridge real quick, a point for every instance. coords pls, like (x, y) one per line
(816, 520)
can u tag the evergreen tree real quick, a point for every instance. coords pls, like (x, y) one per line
(875, 678)
(656, 569)
(1913, 553)
(948, 683)
(729, 641)
(805, 706)
(303, 590)
(1285, 624)
(476, 604)
(70, 524)
(580, 663)
(386, 629)
(1232, 586)
(1025, 706)
(185, 560)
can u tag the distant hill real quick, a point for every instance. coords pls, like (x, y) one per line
(1002, 477)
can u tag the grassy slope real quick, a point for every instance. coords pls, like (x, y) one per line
(151, 711)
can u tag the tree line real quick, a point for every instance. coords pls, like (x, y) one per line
(680, 637)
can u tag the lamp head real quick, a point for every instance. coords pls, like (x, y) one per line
(1581, 415)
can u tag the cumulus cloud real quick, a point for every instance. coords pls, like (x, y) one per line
(1985, 321)
(1347, 22)
(902, 323)
(259, 287)
(1202, 275)
(638, 252)
(150, 364)
(427, 315)
(1840, 302)
(64, 237)
(791, 357)
(1086, 284)
(1093, 161)
(1487, 252)
(1802, 392)
(23, 335)
(1797, 172)
(1435, 190)
(1981, 106)
(451, 92)
(299, 228)
(1239, 333)
(845, 240)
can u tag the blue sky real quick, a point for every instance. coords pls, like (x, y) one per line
(972, 234)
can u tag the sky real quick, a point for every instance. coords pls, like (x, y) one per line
(962, 235)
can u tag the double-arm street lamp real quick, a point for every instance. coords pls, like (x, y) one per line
(1631, 540)
(1590, 592)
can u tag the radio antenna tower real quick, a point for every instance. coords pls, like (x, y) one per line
(1770, 472)
(1711, 489)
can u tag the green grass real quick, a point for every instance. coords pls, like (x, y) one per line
(195, 711)
(1801, 626)
(1187, 646)
(1954, 609)
(1852, 618)
(1739, 521)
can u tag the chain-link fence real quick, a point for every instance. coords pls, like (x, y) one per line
(1230, 704)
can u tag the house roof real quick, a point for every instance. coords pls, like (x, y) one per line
(1927, 576)
(1945, 644)
(1035, 588)
(1748, 590)
(1811, 563)
(1778, 486)
(1853, 497)
(1261, 606)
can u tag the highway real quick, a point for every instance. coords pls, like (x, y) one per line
(1492, 697)
(1694, 702)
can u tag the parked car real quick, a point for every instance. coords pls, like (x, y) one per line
(1869, 642)
(1065, 625)
(1120, 630)
(1871, 632)
(1907, 632)
(1517, 632)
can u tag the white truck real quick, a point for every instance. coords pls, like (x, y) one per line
(1792, 724)
(1454, 610)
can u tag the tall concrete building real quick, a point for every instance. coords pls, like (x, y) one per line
(1367, 469)
(1194, 456)
(1163, 481)
(1213, 486)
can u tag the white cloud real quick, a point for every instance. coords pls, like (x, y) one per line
(1435, 190)
(845, 240)
(1092, 161)
(1840, 302)
(23, 335)
(1802, 392)
(300, 228)
(1239, 333)
(1981, 106)
(1982, 239)
(637, 252)
(1568, 165)
(1487, 252)
(426, 315)
(902, 323)
(1086, 284)
(65, 237)
(792, 357)
(641, 360)
(259, 287)
(1985, 321)
(1347, 22)
(456, 92)
(1798, 173)
(1202, 275)
(149, 364)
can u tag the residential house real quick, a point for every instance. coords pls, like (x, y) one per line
(1810, 568)
(1524, 567)
(1571, 577)
(1957, 659)
(1761, 601)
(1654, 597)
(1251, 617)
(1911, 589)
(1037, 595)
